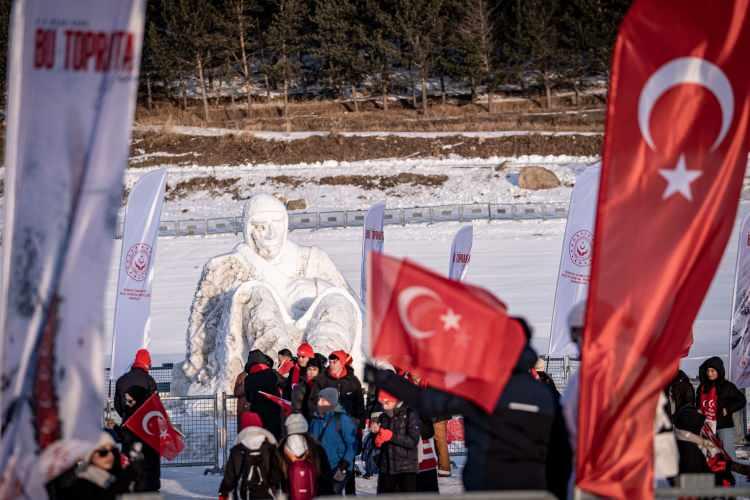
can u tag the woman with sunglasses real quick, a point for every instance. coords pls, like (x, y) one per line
(100, 475)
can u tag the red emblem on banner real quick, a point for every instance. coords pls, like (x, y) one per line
(137, 261)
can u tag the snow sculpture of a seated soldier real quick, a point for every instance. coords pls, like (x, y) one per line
(268, 294)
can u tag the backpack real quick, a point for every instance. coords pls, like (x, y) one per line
(302, 480)
(255, 474)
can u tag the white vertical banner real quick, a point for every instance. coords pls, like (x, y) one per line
(72, 82)
(133, 301)
(739, 349)
(461, 253)
(372, 241)
(575, 261)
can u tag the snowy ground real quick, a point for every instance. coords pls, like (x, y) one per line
(190, 483)
(516, 260)
(467, 181)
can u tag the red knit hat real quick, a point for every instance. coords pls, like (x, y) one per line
(384, 397)
(142, 359)
(342, 356)
(250, 419)
(305, 350)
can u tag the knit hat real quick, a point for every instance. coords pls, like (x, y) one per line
(105, 440)
(142, 359)
(305, 350)
(250, 419)
(295, 424)
(330, 394)
(384, 397)
(342, 356)
(577, 315)
(316, 363)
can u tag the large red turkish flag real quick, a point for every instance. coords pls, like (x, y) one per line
(151, 424)
(675, 153)
(456, 337)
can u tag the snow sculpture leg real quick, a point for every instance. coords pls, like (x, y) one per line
(331, 325)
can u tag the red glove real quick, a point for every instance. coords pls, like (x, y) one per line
(717, 463)
(223, 497)
(383, 437)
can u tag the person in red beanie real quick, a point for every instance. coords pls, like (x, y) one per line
(398, 439)
(297, 373)
(131, 390)
(340, 376)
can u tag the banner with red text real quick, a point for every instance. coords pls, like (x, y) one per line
(133, 301)
(461, 253)
(372, 241)
(739, 351)
(72, 82)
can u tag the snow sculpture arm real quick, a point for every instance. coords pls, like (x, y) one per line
(220, 277)
(321, 267)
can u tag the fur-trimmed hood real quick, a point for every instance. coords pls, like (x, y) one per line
(253, 437)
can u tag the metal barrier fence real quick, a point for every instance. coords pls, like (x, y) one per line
(355, 218)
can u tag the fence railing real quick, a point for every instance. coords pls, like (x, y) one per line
(354, 218)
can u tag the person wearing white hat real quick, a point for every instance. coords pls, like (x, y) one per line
(299, 446)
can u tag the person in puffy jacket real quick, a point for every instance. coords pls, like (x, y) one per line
(687, 419)
(398, 438)
(521, 445)
(337, 433)
(261, 377)
(100, 475)
(305, 354)
(340, 376)
(717, 399)
(300, 397)
(131, 391)
(254, 468)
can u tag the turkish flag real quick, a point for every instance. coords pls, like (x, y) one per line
(674, 156)
(286, 406)
(454, 336)
(151, 424)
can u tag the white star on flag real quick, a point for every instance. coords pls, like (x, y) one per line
(450, 320)
(679, 179)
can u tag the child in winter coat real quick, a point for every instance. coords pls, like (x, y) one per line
(305, 462)
(337, 433)
(398, 439)
(254, 468)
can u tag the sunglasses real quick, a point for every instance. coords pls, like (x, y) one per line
(103, 452)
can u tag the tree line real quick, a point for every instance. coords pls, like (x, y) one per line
(338, 48)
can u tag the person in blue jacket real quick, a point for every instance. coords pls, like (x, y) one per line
(337, 433)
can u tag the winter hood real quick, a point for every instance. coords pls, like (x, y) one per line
(526, 360)
(252, 437)
(717, 364)
(258, 357)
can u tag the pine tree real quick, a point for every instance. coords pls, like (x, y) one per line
(5, 6)
(477, 37)
(420, 24)
(381, 42)
(339, 40)
(285, 39)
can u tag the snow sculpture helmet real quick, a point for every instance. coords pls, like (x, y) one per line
(266, 225)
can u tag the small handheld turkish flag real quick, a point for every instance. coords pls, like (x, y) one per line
(456, 337)
(286, 406)
(151, 424)
(673, 162)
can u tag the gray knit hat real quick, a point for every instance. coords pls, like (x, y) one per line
(330, 394)
(295, 424)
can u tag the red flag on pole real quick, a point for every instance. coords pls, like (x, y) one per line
(286, 406)
(675, 153)
(151, 424)
(456, 337)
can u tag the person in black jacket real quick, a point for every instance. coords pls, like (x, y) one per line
(254, 468)
(521, 445)
(301, 391)
(340, 376)
(686, 418)
(100, 475)
(261, 377)
(398, 437)
(131, 391)
(718, 399)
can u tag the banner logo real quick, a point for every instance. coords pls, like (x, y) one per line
(138, 260)
(580, 248)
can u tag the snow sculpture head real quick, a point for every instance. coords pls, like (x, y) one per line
(266, 225)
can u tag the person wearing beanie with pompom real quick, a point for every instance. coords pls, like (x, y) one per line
(398, 437)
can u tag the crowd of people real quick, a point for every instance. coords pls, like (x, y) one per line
(308, 446)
